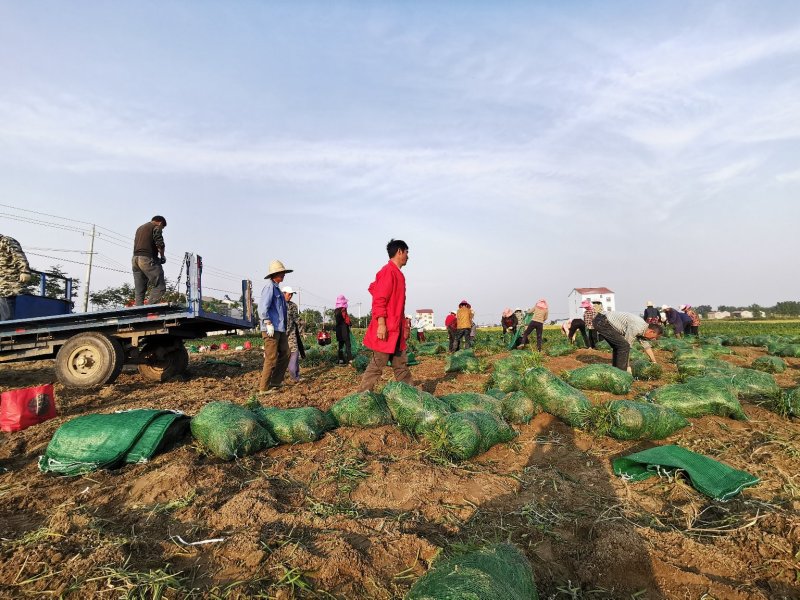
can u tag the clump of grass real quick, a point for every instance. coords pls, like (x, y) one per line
(326, 509)
(167, 507)
(598, 420)
(33, 537)
(348, 473)
(153, 584)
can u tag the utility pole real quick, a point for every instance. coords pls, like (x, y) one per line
(359, 313)
(88, 272)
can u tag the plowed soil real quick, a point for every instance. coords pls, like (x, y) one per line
(362, 513)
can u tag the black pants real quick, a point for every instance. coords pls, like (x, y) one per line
(592, 338)
(539, 327)
(345, 353)
(451, 338)
(462, 334)
(575, 326)
(693, 330)
(620, 348)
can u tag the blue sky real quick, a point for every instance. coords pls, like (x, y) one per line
(521, 149)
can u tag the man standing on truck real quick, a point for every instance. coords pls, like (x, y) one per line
(148, 256)
(274, 315)
(14, 272)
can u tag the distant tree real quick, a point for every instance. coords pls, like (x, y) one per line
(703, 310)
(54, 286)
(789, 308)
(112, 297)
(311, 317)
(724, 307)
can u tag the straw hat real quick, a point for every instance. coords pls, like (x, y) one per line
(275, 268)
(649, 303)
(664, 307)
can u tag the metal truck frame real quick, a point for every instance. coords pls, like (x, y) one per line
(91, 348)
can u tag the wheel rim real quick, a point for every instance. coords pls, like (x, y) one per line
(84, 361)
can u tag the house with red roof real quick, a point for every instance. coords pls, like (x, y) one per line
(593, 294)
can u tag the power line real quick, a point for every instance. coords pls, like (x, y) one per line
(77, 262)
(43, 223)
(38, 212)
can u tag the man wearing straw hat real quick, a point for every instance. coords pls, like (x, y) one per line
(274, 316)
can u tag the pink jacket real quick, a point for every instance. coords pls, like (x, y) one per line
(388, 301)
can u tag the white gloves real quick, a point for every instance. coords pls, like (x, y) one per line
(270, 329)
(24, 277)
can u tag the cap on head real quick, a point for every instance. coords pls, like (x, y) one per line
(664, 307)
(649, 303)
(287, 290)
(276, 268)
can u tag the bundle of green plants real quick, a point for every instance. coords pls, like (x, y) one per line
(362, 409)
(555, 396)
(769, 364)
(699, 396)
(463, 361)
(645, 369)
(466, 401)
(294, 425)
(414, 410)
(229, 431)
(462, 435)
(630, 420)
(601, 378)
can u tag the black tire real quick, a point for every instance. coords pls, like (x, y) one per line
(89, 360)
(173, 364)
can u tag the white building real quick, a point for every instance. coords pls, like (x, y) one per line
(594, 294)
(425, 317)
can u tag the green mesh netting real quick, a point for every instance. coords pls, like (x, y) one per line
(672, 344)
(711, 477)
(498, 572)
(464, 401)
(411, 359)
(362, 409)
(430, 348)
(601, 378)
(496, 393)
(229, 431)
(769, 364)
(750, 384)
(294, 425)
(690, 367)
(788, 350)
(360, 362)
(699, 396)
(518, 407)
(98, 441)
(643, 369)
(559, 349)
(463, 361)
(462, 435)
(704, 353)
(555, 396)
(413, 409)
(630, 420)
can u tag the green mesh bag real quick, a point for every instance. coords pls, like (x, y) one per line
(362, 409)
(463, 361)
(672, 344)
(646, 370)
(788, 350)
(699, 396)
(506, 380)
(519, 408)
(497, 572)
(360, 362)
(704, 353)
(413, 409)
(691, 367)
(555, 396)
(769, 364)
(496, 393)
(229, 431)
(294, 425)
(629, 420)
(750, 384)
(462, 435)
(465, 401)
(559, 349)
(411, 359)
(601, 378)
(99, 441)
(431, 348)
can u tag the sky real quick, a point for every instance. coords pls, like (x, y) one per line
(521, 149)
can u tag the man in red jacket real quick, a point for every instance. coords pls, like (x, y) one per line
(387, 331)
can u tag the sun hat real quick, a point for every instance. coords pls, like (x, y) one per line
(664, 307)
(684, 306)
(649, 303)
(586, 304)
(287, 290)
(542, 303)
(463, 303)
(341, 301)
(507, 312)
(276, 267)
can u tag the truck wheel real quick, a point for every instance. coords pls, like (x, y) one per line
(174, 363)
(89, 360)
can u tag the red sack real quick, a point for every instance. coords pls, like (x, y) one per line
(19, 409)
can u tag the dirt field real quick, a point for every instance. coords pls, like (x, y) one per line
(362, 513)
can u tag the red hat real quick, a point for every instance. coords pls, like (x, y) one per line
(463, 303)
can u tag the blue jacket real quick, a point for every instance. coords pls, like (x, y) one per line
(272, 307)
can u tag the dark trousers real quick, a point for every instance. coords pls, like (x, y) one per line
(592, 338)
(693, 329)
(620, 348)
(147, 270)
(451, 335)
(575, 326)
(420, 335)
(7, 306)
(462, 334)
(276, 359)
(345, 352)
(539, 327)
